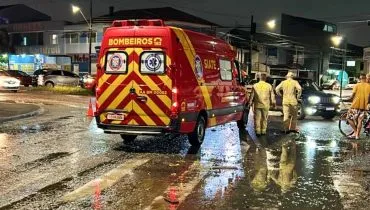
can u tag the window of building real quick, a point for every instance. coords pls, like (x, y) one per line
(225, 70)
(93, 37)
(74, 37)
(54, 39)
(330, 28)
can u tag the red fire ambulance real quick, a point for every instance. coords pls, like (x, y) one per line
(154, 79)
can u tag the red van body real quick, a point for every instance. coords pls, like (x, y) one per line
(154, 79)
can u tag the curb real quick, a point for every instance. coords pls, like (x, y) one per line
(17, 117)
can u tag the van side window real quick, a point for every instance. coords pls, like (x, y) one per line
(116, 62)
(152, 62)
(225, 70)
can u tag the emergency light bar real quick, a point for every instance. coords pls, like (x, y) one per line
(139, 22)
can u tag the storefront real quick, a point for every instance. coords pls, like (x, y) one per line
(31, 63)
(3, 61)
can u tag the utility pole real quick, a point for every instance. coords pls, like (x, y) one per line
(90, 37)
(252, 32)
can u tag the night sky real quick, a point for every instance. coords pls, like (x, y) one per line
(229, 12)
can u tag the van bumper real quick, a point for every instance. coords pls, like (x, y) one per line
(138, 130)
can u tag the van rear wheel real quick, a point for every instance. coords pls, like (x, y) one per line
(197, 136)
(128, 139)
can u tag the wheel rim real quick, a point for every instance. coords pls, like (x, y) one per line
(200, 130)
(344, 126)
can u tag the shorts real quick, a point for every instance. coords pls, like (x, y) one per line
(354, 114)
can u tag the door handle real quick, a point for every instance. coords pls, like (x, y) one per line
(142, 99)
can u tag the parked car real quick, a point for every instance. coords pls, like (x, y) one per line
(40, 73)
(331, 85)
(51, 78)
(26, 79)
(351, 84)
(313, 102)
(89, 82)
(8, 83)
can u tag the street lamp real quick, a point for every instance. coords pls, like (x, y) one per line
(271, 24)
(76, 9)
(337, 40)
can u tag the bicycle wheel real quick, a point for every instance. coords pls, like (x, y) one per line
(344, 126)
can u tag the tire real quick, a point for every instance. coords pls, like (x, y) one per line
(197, 136)
(242, 123)
(329, 116)
(49, 85)
(344, 126)
(128, 139)
(26, 85)
(14, 91)
(301, 114)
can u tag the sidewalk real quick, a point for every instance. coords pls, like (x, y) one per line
(13, 111)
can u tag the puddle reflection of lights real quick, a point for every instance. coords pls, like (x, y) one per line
(229, 168)
(310, 150)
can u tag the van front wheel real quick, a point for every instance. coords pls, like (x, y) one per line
(197, 136)
(128, 139)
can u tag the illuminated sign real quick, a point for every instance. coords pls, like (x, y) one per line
(351, 63)
(132, 41)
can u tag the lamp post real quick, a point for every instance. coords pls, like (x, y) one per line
(76, 9)
(337, 40)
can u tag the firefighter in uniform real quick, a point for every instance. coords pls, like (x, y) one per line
(262, 98)
(291, 92)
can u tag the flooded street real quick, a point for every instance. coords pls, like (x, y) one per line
(61, 160)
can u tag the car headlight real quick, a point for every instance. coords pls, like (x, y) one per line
(314, 99)
(335, 99)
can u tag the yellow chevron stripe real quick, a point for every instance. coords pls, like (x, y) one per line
(123, 94)
(102, 118)
(190, 54)
(133, 122)
(107, 92)
(153, 106)
(152, 85)
(145, 117)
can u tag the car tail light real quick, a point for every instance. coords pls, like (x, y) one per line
(175, 103)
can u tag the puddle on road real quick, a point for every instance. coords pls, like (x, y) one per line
(278, 171)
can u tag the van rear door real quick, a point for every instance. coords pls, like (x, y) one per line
(115, 103)
(152, 86)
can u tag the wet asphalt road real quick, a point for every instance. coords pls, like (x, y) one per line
(60, 160)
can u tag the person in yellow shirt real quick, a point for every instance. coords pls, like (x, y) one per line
(262, 98)
(359, 107)
(291, 93)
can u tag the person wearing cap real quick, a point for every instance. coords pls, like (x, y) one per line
(262, 98)
(291, 93)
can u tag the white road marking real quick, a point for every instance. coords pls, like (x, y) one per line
(105, 181)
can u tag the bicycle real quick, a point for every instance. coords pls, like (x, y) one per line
(346, 129)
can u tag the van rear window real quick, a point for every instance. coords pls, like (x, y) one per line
(152, 62)
(116, 62)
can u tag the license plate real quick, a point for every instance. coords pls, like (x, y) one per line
(330, 108)
(115, 116)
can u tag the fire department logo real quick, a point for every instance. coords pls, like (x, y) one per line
(116, 62)
(153, 62)
(198, 67)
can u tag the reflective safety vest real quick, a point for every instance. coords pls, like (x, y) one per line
(291, 91)
(263, 95)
